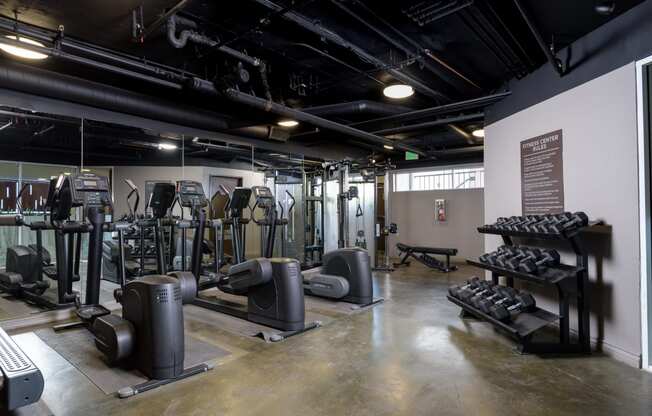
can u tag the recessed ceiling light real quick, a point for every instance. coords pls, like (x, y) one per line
(388, 146)
(22, 52)
(398, 91)
(85, 170)
(167, 146)
(288, 123)
(478, 132)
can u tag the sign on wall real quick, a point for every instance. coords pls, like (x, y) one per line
(542, 174)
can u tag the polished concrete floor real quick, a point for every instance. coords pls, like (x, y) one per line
(411, 355)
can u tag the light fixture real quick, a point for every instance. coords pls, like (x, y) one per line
(478, 133)
(22, 52)
(85, 170)
(167, 146)
(398, 91)
(388, 146)
(288, 123)
(42, 179)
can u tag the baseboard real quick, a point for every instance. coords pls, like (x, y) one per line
(612, 351)
(617, 353)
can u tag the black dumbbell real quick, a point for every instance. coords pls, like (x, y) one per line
(555, 220)
(486, 292)
(502, 295)
(490, 258)
(454, 290)
(511, 220)
(548, 258)
(544, 219)
(527, 254)
(515, 253)
(465, 295)
(524, 302)
(576, 220)
(530, 219)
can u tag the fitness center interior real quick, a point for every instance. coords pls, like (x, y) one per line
(325, 207)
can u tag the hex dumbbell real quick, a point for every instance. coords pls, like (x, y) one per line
(576, 220)
(502, 295)
(524, 303)
(526, 254)
(454, 290)
(548, 258)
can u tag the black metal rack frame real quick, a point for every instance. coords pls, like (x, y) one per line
(572, 282)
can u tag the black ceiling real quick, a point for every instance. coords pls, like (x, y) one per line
(461, 49)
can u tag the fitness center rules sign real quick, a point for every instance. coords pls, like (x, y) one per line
(542, 174)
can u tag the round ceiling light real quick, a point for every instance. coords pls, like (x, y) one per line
(167, 146)
(398, 91)
(288, 123)
(478, 133)
(22, 52)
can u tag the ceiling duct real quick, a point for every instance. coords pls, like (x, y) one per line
(357, 107)
(25, 78)
(264, 133)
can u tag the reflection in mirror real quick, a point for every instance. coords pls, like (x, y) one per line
(40, 146)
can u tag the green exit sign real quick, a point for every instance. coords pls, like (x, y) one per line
(411, 156)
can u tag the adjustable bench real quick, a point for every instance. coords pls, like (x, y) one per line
(425, 256)
(22, 381)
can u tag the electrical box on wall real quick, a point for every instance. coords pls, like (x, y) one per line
(440, 210)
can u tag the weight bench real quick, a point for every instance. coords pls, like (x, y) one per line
(425, 255)
(22, 381)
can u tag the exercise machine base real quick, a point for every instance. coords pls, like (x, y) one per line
(153, 384)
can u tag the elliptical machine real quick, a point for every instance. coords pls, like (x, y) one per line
(345, 274)
(272, 286)
(25, 265)
(150, 334)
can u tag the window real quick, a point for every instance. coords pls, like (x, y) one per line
(442, 179)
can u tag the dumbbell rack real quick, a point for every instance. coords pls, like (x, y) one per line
(572, 282)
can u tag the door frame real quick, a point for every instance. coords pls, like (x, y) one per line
(644, 185)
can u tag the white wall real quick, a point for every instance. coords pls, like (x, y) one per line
(140, 174)
(598, 120)
(414, 213)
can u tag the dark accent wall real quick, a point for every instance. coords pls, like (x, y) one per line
(626, 38)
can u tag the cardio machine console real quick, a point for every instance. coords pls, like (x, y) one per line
(162, 198)
(90, 190)
(263, 196)
(191, 194)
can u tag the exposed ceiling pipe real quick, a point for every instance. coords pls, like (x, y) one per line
(428, 124)
(339, 61)
(356, 107)
(556, 63)
(417, 53)
(433, 111)
(40, 82)
(14, 76)
(333, 37)
(466, 136)
(270, 106)
(179, 41)
(97, 52)
(263, 132)
(459, 150)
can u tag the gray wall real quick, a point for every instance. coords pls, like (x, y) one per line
(598, 120)
(414, 213)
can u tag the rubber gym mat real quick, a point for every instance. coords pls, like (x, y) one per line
(336, 308)
(78, 348)
(239, 326)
